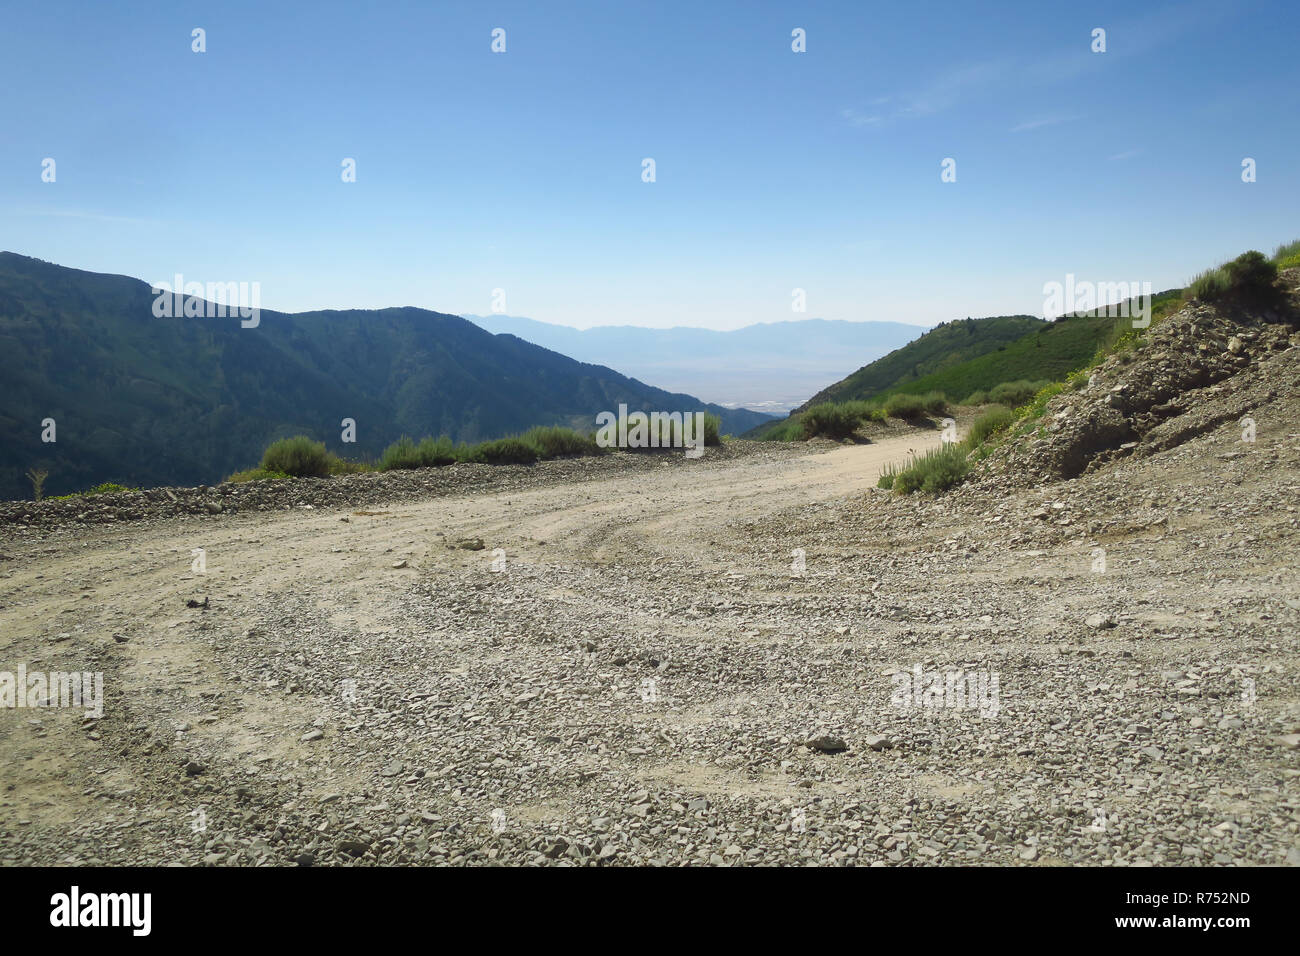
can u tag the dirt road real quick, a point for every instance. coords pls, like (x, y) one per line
(630, 669)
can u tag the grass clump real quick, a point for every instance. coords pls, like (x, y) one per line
(403, 453)
(1010, 394)
(427, 453)
(712, 430)
(1210, 285)
(256, 474)
(935, 403)
(533, 445)
(837, 420)
(1287, 255)
(936, 471)
(910, 406)
(560, 442)
(505, 451)
(298, 456)
(1035, 409)
(1250, 279)
(107, 488)
(996, 419)
(900, 405)
(1015, 393)
(671, 431)
(792, 429)
(830, 420)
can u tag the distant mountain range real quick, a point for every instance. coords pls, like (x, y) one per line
(771, 366)
(142, 400)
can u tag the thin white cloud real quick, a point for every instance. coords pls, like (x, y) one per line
(93, 216)
(854, 118)
(1040, 123)
(1126, 38)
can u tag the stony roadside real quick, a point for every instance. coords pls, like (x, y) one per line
(369, 489)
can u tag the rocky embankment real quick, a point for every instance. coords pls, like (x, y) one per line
(1203, 367)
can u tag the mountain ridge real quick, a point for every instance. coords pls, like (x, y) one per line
(86, 350)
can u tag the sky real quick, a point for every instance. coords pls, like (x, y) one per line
(774, 170)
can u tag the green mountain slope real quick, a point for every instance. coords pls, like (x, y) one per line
(145, 401)
(962, 357)
(1048, 353)
(939, 349)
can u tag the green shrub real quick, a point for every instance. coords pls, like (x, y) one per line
(792, 429)
(536, 443)
(712, 429)
(830, 420)
(1253, 277)
(298, 456)
(1014, 394)
(1287, 255)
(1027, 416)
(1250, 279)
(934, 403)
(937, 470)
(1210, 286)
(670, 432)
(429, 453)
(107, 488)
(505, 451)
(904, 406)
(977, 398)
(888, 474)
(402, 453)
(559, 442)
(836, 420)
(436, 452)
(996, 419)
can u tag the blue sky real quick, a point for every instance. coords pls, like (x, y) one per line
(775, 170)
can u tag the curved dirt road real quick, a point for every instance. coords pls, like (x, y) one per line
(627, 671)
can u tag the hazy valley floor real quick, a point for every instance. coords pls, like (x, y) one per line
(638, 682)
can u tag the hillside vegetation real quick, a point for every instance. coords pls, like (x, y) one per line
(943, 347)
(1014, 358)
(1245, 288)
(144, 401)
